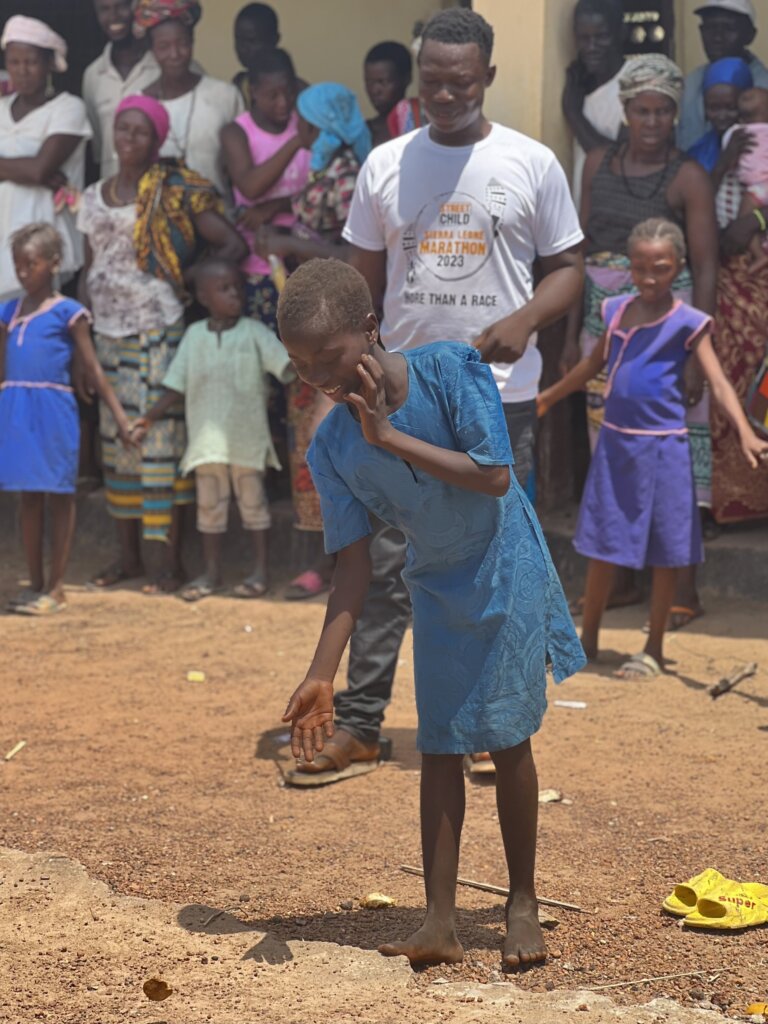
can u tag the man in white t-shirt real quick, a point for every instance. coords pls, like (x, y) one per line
(445, 225)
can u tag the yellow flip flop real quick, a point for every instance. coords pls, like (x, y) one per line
(683, 898)
(731, 908)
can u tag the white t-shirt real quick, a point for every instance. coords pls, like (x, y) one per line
(462, 227)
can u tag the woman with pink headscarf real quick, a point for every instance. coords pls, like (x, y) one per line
(145, 228)
(42, 145)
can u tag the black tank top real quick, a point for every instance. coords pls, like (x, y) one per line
(615, 211)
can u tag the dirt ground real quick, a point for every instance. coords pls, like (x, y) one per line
(172, 791)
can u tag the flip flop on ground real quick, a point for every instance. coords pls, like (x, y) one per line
(199, 589)
(25, 596)
(735, 907)
(112, 575)
(342, 757)
(165, 583)
(308, 584)
(639, 666)
(45, 604)
(681, 615)
(253, 586)
(683, 898)
(479, 764)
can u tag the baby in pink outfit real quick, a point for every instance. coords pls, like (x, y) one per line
(752, 170)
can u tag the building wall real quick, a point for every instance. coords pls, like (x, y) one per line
(327, 40)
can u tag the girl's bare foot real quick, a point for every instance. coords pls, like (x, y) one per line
(427, 946)
(524, 942)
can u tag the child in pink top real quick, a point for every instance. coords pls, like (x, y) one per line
(752, 170)
(268, 166)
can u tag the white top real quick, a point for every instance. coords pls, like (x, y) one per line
(604, 111)
(224, 383)
(197, 117)
(124, 300)
(103, 89)
(462, 227)
(23, 204)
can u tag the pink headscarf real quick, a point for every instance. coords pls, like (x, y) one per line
(21, 29)
(151, 108)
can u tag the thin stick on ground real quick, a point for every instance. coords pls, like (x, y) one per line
(497, 890)
(657, 977)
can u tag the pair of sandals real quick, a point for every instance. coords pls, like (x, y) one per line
(252, 587)
(710, 900)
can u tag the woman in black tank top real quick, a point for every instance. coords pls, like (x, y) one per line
(645, 175)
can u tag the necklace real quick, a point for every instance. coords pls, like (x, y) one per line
(662, 174)
(114, 196)
(180, 141)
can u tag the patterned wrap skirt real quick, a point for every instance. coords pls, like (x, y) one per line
(143, 484)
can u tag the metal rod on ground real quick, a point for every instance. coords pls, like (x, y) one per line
(737, 676)
(657, 977)
(497, 890)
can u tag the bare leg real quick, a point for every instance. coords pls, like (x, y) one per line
(662, 594)
(212, 556)
(517, 799)
(260, 554)
(442, 817)
(171, 573)
(32, 524)
(599, 582)
(686, 597)
(62, 532)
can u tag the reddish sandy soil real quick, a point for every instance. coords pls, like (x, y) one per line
(172, 790)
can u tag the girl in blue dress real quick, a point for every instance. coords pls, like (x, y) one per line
(419, 439)
(39, 427)
(639, 503)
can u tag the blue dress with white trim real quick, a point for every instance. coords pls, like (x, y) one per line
(39, 425)
(489, 612)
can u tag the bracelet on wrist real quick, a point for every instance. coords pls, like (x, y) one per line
(760, 218)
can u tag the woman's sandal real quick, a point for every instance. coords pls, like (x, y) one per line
(681, 615)
(111, 576)
(198, 589)
(43, 605)
(308, 584)
(26, 596)
(639, 666)
(253, 586)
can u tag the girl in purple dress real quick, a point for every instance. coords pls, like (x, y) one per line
(39, 427)
(639, 504)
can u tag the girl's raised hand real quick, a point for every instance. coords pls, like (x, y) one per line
(310, 712)
(371, 403)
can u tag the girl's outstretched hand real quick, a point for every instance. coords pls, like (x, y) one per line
(754, 450)
(310, 712)
(371, 403)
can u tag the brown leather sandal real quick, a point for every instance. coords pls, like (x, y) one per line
(337, 761)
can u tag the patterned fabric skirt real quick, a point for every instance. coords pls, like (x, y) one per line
(608, 274)
(144, 484)
(741, 335)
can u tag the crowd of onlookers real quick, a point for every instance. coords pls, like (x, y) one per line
(197, 176)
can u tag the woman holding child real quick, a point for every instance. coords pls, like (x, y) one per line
(143, 229)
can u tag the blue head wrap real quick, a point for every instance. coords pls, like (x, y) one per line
(333, 109)
(728, 71)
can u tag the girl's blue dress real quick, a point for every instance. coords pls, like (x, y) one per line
(488, 609)
(39, 426)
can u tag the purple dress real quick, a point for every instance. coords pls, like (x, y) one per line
(639, 505)
(39, 426)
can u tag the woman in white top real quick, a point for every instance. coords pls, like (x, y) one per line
(198, 106)
(42, 145)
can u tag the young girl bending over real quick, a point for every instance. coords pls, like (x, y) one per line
(639, 504)
(419, 439)
(39, 425)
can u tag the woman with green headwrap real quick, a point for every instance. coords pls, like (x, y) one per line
(645, 175)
